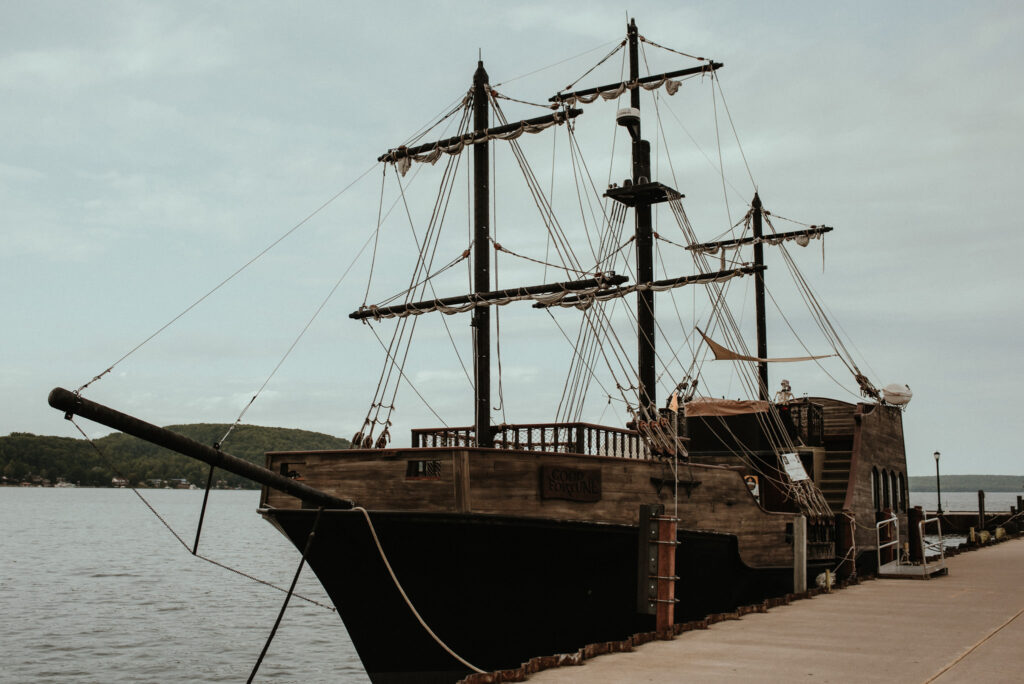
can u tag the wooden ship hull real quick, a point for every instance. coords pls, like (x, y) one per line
(510, 553)
(502, 559)
(500, 590)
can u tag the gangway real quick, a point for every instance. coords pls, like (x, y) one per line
(932, 553)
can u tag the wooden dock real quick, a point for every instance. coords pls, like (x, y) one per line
(964, 627)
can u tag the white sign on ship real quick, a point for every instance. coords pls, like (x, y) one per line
(794, 467)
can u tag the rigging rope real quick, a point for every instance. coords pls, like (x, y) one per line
(805, 493)
(497, 311)
(376, 232)
(554, 64)
(502, 96)
(717, 81)
(400, 343)
(224, 282)
(604, 59)
(288, 596)
(106, 458)
(652, 43)
(823, 321)
(294, 344)
(577, 382)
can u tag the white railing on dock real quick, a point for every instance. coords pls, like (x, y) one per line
(895, 522)
(932, 546)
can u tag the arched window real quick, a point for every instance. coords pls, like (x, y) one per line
(876, 499)
(885, 490)
(903, 493)
(895, 491)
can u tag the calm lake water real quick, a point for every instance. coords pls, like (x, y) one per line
(93, 588)
(995, 502)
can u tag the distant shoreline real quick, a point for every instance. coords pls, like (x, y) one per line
(968, 483)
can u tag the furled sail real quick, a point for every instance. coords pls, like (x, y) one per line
(402, 157)
(726, 354)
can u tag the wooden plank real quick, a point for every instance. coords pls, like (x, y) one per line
(460, 466)
(505, 482)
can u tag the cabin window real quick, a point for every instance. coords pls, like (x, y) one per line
(423, 470)
(875, 498)
(291, 470)
(885, 490)
(903, 493)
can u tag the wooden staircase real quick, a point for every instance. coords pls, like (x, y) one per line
(839, 428)
(835, 476)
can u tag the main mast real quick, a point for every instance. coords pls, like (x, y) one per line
(646, 370)
(481, 321)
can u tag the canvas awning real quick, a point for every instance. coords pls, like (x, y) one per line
(709, 406)
(726, 354)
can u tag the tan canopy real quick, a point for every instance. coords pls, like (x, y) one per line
(709, 406)
(725, 354)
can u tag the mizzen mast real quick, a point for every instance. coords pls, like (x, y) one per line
(762, 334)
(757, 239)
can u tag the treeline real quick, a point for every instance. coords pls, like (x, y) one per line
(39, 459)
(969, 483)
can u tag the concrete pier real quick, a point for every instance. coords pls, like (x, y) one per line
(964, 627)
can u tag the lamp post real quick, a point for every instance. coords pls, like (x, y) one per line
(938, 484)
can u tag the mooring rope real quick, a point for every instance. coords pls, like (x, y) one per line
(398, 585)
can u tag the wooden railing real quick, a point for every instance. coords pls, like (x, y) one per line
(805, 421)
(566, 438)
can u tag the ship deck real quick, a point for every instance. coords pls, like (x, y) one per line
(964, 627)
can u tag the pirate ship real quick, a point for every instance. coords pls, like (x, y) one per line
(478, 547)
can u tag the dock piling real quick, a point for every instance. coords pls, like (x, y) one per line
(799, 554)
(914, 517)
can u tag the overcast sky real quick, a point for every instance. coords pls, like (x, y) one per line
(150, 149)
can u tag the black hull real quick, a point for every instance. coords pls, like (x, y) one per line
(500, 591)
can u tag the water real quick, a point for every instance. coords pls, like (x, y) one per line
(94, 588)
(995, 502)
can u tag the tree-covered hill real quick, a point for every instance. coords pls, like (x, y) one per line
(28, 457)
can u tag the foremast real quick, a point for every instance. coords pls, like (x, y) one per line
(481, 321)
(481, 296)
